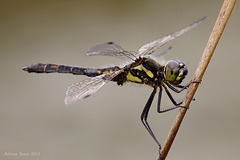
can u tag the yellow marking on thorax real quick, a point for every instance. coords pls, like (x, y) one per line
(139, 67)
(132, 78)
(148, 72)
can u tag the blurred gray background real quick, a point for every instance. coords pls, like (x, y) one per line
(34, 119)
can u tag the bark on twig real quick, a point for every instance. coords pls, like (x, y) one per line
(217, 31)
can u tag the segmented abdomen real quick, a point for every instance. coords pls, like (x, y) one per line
(51, 68)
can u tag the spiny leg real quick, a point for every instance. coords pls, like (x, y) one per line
(180, 86)
(159, 100)
(144, 116)
(177, 105)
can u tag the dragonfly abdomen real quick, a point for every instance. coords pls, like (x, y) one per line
(54, 68)
(48, 68)
(92, 72)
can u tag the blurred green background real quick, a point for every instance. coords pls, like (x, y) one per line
(33, 117)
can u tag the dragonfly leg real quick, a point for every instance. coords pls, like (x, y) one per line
(144, 116)
(176, 105)
(180, 86)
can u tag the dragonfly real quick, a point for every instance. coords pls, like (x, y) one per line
(142, 69)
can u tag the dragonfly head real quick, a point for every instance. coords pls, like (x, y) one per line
(175, 71)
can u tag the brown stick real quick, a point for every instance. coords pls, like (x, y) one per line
(217, 31)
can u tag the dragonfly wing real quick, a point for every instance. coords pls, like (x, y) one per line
(110, 49)
(84, 89)
(150, 47)
(160, 57)
(164, 52)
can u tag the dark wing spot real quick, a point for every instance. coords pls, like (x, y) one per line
(86, 96)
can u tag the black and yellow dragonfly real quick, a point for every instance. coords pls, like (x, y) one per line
(142, 70)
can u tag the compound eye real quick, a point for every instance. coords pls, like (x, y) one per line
(172, 64)
(171, 70)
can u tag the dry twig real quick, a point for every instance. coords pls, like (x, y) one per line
(217, 31)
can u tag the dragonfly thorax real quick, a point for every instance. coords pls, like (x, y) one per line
(175, 71)
(147, 71)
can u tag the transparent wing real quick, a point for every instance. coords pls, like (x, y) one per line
(86, 88)
(111, 49)
(164, 52)
(159, 57)
(150, 47)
